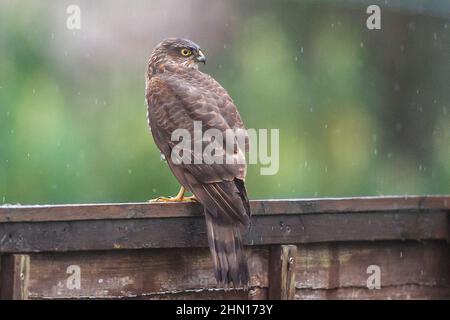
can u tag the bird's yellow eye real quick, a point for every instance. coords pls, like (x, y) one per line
(185, 52)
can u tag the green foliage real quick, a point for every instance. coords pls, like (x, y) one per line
(316, 74)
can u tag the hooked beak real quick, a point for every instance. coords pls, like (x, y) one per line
(201, 57)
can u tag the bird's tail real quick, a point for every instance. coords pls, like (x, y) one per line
(225, 244)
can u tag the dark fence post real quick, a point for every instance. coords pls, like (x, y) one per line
(14, 275)
(282, 272)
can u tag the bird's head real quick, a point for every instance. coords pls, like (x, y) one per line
(177, 52)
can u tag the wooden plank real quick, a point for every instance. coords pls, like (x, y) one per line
(17, 213)
(14, 277)
(281, 272)
(276, 258)
(253, 294)
(342, 270)
(24, 237)
(397, 292)
(138, 274)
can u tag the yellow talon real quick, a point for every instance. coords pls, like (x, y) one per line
(178, 198)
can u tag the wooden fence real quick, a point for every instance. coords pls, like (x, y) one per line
(370, 248)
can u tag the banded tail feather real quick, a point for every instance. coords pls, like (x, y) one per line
(225, 244)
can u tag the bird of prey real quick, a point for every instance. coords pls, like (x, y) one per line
(179, 94)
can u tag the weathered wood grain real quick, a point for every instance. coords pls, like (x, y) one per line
(400, 292)
(252, 294)
(340, 270)
(139, 274)
(282, 272)
(337, 239)
(14, 277)
(81, 235)
(322, 271)
(18, 213)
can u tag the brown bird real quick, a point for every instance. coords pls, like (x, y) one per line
(179, 94)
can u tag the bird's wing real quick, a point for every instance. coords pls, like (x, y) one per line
(175, 102)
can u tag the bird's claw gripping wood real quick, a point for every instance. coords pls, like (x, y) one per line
(178, 198)
(174, 199)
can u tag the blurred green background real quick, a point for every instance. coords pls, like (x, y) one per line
(360, 112)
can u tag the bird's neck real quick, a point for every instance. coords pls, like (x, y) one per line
(158, 66)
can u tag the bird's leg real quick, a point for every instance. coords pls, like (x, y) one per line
(178, 198)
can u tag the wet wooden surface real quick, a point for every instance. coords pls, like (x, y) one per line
(106, 211)
(136, 226)
(341, 270)
(322, 271)
(148, 251)
(144, 274)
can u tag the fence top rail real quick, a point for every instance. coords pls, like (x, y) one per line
(87, 227)
(111, 211)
